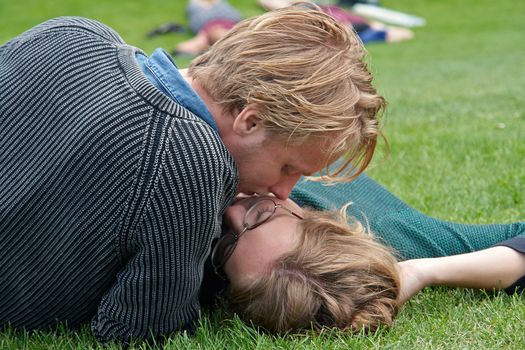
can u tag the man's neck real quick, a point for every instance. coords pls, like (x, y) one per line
(217, 112)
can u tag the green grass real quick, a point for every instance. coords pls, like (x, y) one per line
(456, 127)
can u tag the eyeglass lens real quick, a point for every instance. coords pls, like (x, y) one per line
(259, 213)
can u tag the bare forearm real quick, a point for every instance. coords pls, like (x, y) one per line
(493, 268)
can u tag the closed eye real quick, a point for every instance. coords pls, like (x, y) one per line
(290, 170)
(287, 169)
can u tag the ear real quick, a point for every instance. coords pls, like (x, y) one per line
(247, 122)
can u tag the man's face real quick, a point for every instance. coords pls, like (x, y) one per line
(268, 163)
(272, 166)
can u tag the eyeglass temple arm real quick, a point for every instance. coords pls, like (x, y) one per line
(288, 210)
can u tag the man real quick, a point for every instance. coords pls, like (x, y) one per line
(116, 168)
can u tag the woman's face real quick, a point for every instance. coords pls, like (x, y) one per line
(259, 247)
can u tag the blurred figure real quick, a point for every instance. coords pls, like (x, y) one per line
(210, 20)
(368, 31)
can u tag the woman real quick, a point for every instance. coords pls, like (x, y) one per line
(293, 268)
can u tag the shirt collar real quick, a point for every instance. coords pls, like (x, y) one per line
(163, 73)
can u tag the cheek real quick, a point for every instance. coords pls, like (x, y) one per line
(263, 175)
(249, 252)
(272, 173)
(242, 264)
(254, 171)
(250, 257)
(267, 167)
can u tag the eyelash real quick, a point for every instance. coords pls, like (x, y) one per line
(261, 212)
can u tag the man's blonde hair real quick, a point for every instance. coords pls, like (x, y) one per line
(337, 276)
(306, 75)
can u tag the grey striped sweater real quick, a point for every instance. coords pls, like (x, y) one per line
(110, 192)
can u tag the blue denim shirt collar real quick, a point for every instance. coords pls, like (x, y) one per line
(163, 73)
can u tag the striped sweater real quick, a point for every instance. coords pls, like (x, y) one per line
(110, 192)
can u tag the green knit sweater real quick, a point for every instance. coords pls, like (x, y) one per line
(411, 233)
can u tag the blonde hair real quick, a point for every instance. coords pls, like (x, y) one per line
(306, 76)
(337, 276)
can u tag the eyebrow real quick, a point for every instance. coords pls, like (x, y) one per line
(304, 171)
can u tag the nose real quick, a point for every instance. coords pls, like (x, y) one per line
(285, 185)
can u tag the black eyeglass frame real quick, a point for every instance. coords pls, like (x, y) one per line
(227, 251)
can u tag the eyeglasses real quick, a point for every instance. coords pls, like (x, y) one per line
(260, 212)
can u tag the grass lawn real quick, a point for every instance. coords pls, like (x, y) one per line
(456, 127)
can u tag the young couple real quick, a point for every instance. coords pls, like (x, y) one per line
(116, 169)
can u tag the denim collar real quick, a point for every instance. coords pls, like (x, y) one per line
(163, 73)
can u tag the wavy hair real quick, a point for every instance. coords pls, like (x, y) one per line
(337, 276)
(306, 75)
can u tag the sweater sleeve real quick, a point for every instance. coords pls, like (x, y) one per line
(411, 233)
(414, 235)
(156, 291)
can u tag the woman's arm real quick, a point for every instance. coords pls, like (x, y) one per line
(493, 268)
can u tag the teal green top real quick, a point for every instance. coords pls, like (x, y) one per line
(411, 233)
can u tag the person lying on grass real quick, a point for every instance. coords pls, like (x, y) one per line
(368, 31)
(116, 167)
(210, 20)
(291, 268)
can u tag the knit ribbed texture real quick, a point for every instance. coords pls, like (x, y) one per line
(110, 193)
(411, 233)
